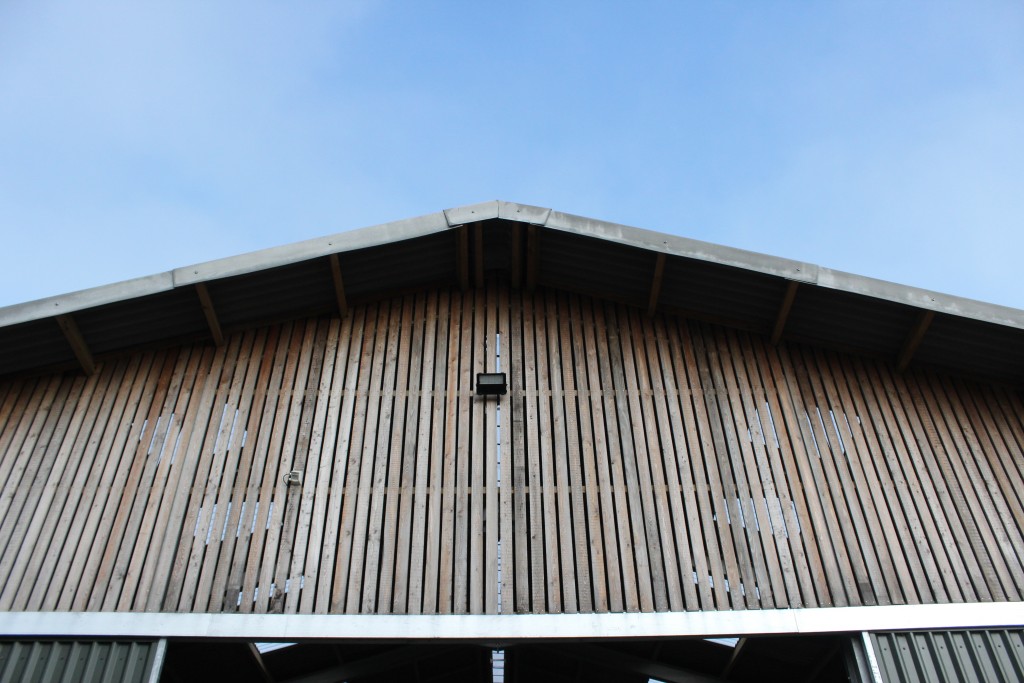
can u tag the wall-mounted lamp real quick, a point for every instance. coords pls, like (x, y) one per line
(293, 478)
(491, 384)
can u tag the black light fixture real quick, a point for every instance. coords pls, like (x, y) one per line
(491, 384)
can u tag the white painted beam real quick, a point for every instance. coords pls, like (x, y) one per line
(505, 628)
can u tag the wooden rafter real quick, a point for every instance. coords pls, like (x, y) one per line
(339, 285)
(914, 339)
(784, 308)
(74, 336)
(737, 650)
(210, 312)
(260, 664)
(659, 276)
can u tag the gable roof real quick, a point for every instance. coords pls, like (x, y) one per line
(530, 246)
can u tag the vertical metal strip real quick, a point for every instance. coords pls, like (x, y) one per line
(869, 650)
(156, 668)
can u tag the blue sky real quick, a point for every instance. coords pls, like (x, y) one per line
(885, 139)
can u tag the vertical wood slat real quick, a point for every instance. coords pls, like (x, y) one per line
(53, 567)
(413, 602)
(646, 463)
(398, 560)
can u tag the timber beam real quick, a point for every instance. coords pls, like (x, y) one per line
(656, 280)
(737, 650)
(784, 308)
(914, 339)
(257, 658)
(211, 313)
(74, 336)
(339, 285)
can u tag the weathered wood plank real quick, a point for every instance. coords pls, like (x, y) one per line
(641, 463)
(433, 359)
(402, 514)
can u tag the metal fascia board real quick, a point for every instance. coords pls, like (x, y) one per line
(921, 298)
(86, 298)
(264, 259)
(510, 627)
(791, 270)
(523, 213)
(683, 246)
(462, 215)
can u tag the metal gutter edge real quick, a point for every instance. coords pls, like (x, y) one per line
(509, 627)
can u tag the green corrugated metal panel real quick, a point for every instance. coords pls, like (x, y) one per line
(983, 656)
(74, 662)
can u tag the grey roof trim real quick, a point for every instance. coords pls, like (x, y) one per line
(682, 246)
(317, 247)
(440, 221)
(509, 627)
(86, 298)
(808, 273)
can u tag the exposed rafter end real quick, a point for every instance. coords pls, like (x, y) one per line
(260, 664)
(914, 339)
(74, 336)
(532, 257)
(210, 312)
(784, 308)
(737, 650)
(659, 276)
(339, 285)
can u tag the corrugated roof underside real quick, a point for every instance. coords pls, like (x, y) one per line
(721, 292)
(850, 321)
(82, 662)
(38, 343)
(141, 322)
(596, 267)
(982, 656)
(498, 246)
(399, 266)
(283, 292)
(974, 347)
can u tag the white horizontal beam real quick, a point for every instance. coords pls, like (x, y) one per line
(502, 628)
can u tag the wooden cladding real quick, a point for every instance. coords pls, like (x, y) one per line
(637, 463)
